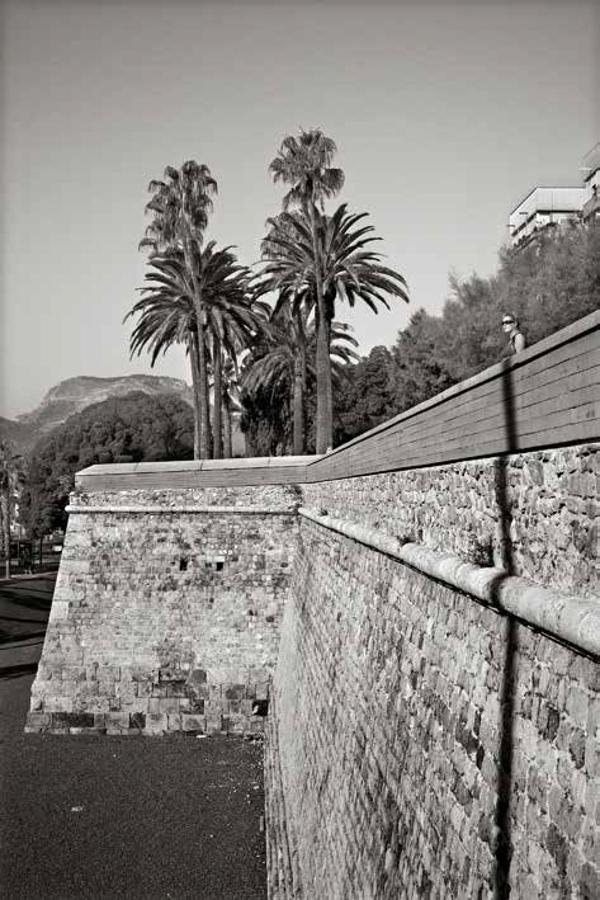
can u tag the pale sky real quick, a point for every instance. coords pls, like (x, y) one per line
(445, 115)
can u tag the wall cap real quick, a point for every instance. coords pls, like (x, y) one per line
(566, 335)
(162, 510)
(570, 618)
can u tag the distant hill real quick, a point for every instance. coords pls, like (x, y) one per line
(71, 396)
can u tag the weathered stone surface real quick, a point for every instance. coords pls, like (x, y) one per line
(551, 500)
(418, 732)
(150, 613)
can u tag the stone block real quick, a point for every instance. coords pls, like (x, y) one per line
(116, 722)
(37, 722)
(137, 721)
(235, 691)
(262, 690)
(214, 722)
(73, 720)
(143, 689)
(197, 677)
(236, 723)
(174, 721)
(58, 704)
(193, 723)
(156, 724)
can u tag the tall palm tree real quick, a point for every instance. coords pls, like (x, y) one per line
(291, 312)
(344, 264)
(304, 163)
(179, 207)
(168, 315)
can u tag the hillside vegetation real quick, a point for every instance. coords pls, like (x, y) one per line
(124, 429)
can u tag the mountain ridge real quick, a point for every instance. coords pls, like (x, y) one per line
(73, 394)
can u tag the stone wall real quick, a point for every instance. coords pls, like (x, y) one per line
(551, 501)
(167, 610)
(425, 737)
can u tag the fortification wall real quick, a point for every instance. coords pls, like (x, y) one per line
(436, 701)
(425, 735)
(167, 610)
(549, 498)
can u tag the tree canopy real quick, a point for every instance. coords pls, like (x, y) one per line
(134, 428)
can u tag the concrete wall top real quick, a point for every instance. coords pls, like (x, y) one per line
(194, 473)
(546, 396)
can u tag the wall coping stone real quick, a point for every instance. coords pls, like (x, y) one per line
(255, 471)
(575, 620)
(570, 333)
(204, 510)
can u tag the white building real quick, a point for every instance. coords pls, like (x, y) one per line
(542, 208)
(591, 181)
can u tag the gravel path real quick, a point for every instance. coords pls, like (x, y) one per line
(111, 816)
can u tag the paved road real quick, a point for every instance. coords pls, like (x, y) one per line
(111, 816)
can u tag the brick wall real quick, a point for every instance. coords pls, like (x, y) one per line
(401, 774)
(551, 498)
(167, 610)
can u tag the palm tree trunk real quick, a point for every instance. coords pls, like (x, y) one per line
(217, 399)
(205, 448)
(193, 350)
(299, 387)
(205, 441)
(227, 448)
(324, 437)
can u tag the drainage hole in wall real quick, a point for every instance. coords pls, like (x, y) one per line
(183, 563)
(260, 708)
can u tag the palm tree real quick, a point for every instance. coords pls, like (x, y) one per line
(291, 311)
(167, 317)
(232, 317)
(304, 163)
(278, 363)
(344, 264)
(180, 205)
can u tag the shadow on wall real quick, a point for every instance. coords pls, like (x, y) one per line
(503, 848)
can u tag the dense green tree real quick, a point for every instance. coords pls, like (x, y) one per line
(553, 282)
(419, 372)
(11, 477)
(132, 428)
(365, 398)
(547, 285)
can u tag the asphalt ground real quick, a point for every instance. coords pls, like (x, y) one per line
(114, 816)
